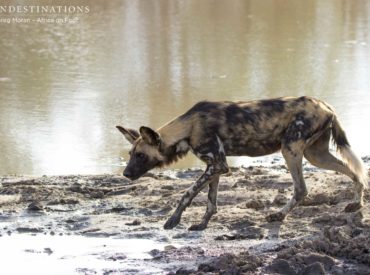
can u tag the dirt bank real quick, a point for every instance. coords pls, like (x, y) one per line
(318, 237)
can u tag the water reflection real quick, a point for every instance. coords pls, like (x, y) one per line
(63, 88)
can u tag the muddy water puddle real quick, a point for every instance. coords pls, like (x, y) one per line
(76, 254)
(45, 254)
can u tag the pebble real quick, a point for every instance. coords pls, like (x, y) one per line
(314, 269)
(281, 266)
(35, 206)
(134, 222)
(48, 250)
(169, 248)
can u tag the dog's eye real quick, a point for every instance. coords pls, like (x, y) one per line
(140, 155)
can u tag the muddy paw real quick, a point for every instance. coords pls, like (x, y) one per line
(197, 227)
(275, 217)
(172, 222)
(352, 207)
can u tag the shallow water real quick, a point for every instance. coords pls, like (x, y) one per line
(45, 254)
(63, 87)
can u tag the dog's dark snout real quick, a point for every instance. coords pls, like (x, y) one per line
(127, 174)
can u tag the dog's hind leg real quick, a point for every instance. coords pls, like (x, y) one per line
(318, 154)
(294, 162)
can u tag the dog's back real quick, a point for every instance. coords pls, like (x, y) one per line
(256, 128)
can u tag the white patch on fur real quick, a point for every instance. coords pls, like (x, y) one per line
(221, 146)
(186, 201)
(182, 146)
(354, 163)
(210, 170)
(210, 155)
(299, 122)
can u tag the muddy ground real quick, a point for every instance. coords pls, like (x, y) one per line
(318, 237)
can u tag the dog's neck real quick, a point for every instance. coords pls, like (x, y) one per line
(175, 139)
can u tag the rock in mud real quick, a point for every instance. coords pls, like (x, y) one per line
(76, 187)
(169, 248)
(317, 199)
(251, 232)
(168, 187)
(170, 253)
(280, 200)
(183, 271)
(113, 256)
(48, 250)
(29, 230)
(35, 206)
(156, 254)
(134, 222)
(313, 269)
(229, 263)
(281, 266)
(64, 201)
(312, 258)
(97, 194)
(255, 204)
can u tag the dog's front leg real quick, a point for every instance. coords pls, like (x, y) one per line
(207, 177)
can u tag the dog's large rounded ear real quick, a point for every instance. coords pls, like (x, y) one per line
(150, 136)
(130, 134)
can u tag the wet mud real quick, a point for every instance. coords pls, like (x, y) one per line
(318, 237)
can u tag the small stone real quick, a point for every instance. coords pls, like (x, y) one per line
(255, 204)
(309, 259)
(117, 257)
(35, 206)
(69, 201)
(29, 230)
(281, 266)
(314, 269)
(156, 254)
(183, 271)
(169, 248)
(48, 251)
(280, 199)
(134, 222)
(76, 188)
(97, 195)
(168, 187)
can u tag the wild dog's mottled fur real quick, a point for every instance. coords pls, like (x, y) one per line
(213, 130)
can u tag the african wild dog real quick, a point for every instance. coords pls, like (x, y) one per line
(213, 130)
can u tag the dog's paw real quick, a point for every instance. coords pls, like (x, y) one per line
(353, 207)
(197, 227)
(275, 217)
(172, 222)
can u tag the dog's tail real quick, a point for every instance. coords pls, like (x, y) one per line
(353, 162)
